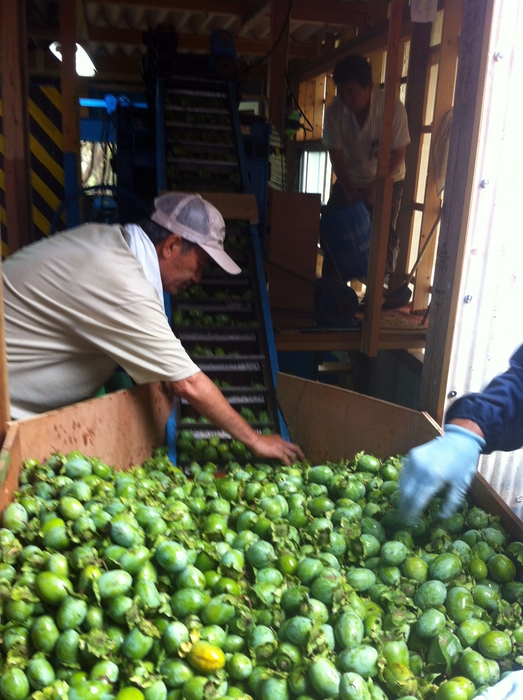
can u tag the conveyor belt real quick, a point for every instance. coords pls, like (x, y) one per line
(224, 322)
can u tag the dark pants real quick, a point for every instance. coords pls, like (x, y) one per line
(339, 199)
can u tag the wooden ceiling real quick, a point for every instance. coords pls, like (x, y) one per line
(112, 30)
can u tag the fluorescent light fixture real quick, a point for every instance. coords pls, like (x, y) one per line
(84, 65)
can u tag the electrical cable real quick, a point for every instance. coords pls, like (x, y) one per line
(261, 60)
(300, 110)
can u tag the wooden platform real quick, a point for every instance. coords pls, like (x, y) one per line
(295, 340)
(295, 331)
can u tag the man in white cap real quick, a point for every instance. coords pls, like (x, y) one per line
(82, 302)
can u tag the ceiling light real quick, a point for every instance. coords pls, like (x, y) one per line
(84, 65)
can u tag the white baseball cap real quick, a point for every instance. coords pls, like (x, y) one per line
(193, 218)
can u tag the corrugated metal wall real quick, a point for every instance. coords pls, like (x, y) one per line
(489, 324)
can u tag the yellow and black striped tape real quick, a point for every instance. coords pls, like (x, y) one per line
(46, 146)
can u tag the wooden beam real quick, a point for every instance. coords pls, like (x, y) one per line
(216, 7)
(319, 103)
(310, 11)
(253, 15)
(330, 12)
(18, 192)
(186, 42)
(374, 39)
(70, 107)
(472, 65)
(442, 104)
(116, 69)
(293, 340)
(384, 184)
(329, 43)
(277, 86)
(415, 103)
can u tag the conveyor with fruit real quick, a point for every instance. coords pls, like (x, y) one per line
(198, 128)
(224, 322)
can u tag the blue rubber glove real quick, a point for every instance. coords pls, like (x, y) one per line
(450, 460)
(510, 688)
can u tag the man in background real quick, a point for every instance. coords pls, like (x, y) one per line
(352, 134)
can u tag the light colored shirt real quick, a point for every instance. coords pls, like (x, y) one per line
(361, 145)
(77, 305)
(144, 251)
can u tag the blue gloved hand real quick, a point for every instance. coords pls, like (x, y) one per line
(510, 688)
(450, 460)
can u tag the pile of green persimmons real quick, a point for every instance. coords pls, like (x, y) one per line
(267, 582)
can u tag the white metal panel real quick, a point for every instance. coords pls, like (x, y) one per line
(489, 323)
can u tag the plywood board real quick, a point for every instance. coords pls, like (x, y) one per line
(333, 424)
(121, 428)
(294, 221)
(485, 497)
(286, 291)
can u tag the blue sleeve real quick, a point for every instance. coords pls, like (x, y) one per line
(498, 410)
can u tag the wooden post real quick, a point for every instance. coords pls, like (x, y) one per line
(319, 101)
(5, 412)
(18, 193)
(277, 87)
(442, 104)
(383, 197)
(473, 57)
(415, 106)
(70, 107)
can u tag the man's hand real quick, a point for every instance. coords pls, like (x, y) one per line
(448, 461)
(206, 398)
(510, 688)
(342, 174)
(275, 447)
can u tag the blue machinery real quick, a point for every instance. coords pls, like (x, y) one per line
(225, 324)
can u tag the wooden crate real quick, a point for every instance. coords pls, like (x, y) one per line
(121, 428)
(332, 424)
(292, 249)
(329, 423)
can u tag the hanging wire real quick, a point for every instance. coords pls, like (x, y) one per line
(261, 60)
(300, 110)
